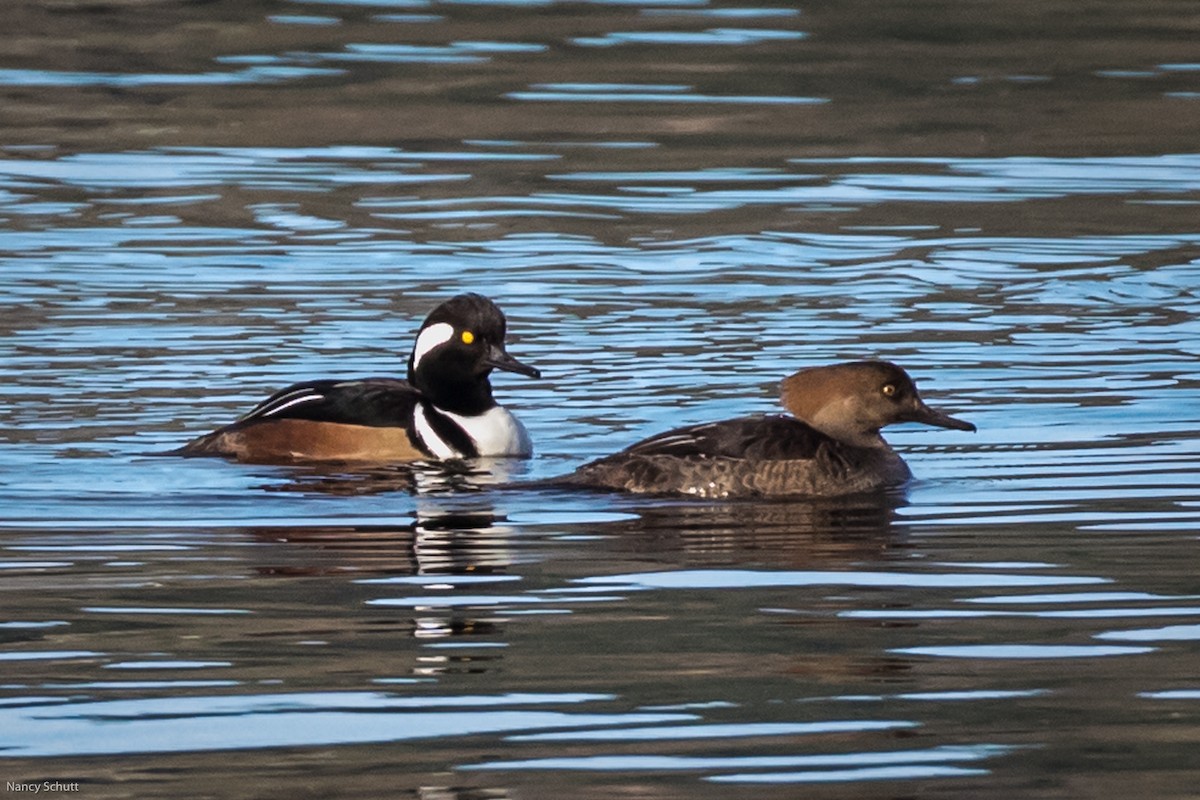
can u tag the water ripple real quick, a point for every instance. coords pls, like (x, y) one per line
(1023, 651)
(179, 724)
(740, 579)
(729, 731)
(250, 75)
(712, 36)
(647, 93)
(657, 763)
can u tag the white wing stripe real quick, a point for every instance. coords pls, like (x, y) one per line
(277, 407)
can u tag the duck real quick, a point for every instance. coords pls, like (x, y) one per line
(828, 445)
(444, 409)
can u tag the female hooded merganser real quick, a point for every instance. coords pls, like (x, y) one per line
(444, 410)
(830, 446)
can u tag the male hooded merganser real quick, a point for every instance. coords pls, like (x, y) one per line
(444, 410)
(830, 446)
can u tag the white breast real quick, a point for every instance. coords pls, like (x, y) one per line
(496, 432)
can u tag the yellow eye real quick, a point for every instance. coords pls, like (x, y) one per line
(468, 337)
(889, 390)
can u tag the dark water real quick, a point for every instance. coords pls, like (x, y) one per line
(677, 203)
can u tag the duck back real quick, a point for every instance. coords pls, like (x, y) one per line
(757, 456)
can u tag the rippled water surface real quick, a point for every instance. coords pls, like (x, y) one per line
(677, 204)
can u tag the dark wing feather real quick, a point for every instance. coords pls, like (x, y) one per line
(729, 458)
(376, 402)
(769, 438)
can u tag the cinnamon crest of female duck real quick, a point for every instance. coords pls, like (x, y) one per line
(444, 410)
(831, 444)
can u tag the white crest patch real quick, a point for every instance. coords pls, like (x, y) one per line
(435, 335)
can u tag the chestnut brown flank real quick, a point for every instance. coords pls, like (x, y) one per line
(277, 443)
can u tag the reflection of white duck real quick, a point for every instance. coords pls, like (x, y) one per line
(830, 446)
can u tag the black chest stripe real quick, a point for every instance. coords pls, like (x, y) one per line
(449, 432)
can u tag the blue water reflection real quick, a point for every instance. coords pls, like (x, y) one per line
(712, 36)
(648, 93)
(277, 720)
(259, 74)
